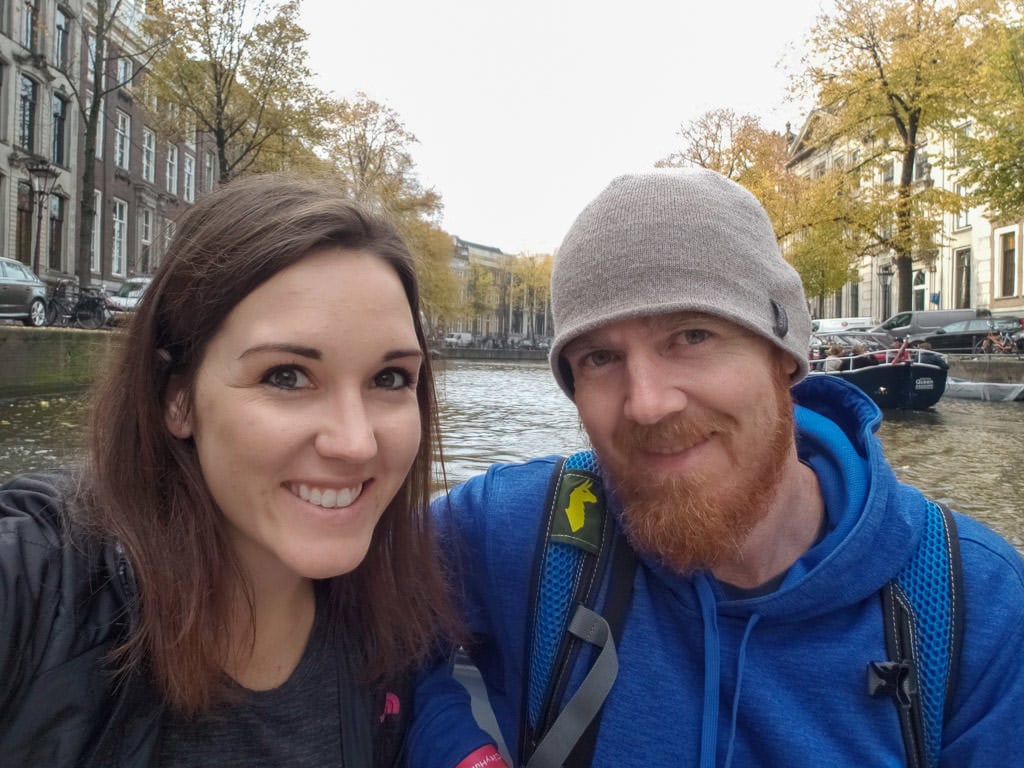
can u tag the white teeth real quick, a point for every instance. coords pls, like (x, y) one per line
(329, 498)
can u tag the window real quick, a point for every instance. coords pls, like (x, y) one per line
(888, 172)
(855, 299)
(56, 232)
(1006, 263)
(60, 118)
(960, 134)
(963, 214)
(922, 168)
(145, 238)
(122, 140)
(169, 229)
(23, 224)
(189, 167)
(61, 38)
(97, 233)
(29, 23)
(148, 155)
(208, 172)
(962, 278)
(27, 114)
(919, 286)
(117, 243)
(855, 167)
(172, 169)
(819, 170)
(125, 71)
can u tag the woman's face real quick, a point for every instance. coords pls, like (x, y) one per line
(304, 413)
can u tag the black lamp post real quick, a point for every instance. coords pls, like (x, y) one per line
(44, 179)
(885, 277)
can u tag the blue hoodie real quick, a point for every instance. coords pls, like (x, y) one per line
(776, 680)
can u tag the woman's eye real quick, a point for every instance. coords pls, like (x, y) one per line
(394, 378)
(286, 377)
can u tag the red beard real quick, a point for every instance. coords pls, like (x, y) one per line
(693, 522)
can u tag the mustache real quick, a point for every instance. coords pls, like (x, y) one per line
(672, 434)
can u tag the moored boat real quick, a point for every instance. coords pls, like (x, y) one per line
(983, 390)
(901, 378)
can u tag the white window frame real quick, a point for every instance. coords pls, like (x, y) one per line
(189, 182)
(123, 140)
(145, 225)
(148, 155)
(97, 227)
(119, 236)
(172, 169)
(125, 71)
(997, 273)
(962, 217)
(209, 162)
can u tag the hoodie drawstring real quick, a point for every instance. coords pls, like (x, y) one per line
(712, 676)
(712, 673)
(741, 663)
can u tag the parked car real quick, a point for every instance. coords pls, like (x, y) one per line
(22, 294)
(126, 298)
(458, 339)
(921, 321)
(966, 335)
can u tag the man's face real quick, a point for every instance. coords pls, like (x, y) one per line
(691, 416)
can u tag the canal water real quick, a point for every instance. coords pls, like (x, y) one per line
(967, 453)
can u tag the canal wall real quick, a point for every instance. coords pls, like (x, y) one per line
(48, 361)
(45, 361)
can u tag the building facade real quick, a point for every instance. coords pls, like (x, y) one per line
(143, 182)
(976, 262)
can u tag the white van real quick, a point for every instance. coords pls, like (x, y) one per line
(458, 339)
(836, 324)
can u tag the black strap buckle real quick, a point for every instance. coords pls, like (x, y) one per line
(892, 678)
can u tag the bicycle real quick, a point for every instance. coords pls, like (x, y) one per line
(995, 341)
(85, 308)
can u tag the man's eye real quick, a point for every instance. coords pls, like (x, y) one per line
(286, 377)
(596, 358)
(695, 335)
(394, 378)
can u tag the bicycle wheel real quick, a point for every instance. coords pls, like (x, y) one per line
(979, 347)
(56, 313)
(89, 315)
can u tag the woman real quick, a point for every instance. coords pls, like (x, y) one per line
(244, 571)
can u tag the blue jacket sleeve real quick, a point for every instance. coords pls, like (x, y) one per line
(985, 727)
(488, 531)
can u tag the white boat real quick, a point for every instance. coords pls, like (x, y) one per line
(983, 390)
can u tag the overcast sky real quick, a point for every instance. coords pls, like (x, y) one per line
(525, 109)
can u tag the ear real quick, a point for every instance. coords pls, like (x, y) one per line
(177, 414)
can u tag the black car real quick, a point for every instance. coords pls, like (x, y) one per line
(22, 294)
(966, 336)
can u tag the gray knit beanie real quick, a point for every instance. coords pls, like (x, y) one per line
(669, 241)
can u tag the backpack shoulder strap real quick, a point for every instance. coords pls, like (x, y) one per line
(923, 611)
(575, 544)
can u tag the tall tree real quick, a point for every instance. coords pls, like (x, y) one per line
(889, 72)
(110, 32)
(811, 218)
(371, 151)
(239, 73)
(988, 150)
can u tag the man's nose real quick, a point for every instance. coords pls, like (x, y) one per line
(653, 392)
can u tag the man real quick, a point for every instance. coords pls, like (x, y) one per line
(764, 531)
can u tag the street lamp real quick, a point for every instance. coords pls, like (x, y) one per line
(885, 276)
(44, 179)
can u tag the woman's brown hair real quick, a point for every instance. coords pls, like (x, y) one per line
(145, 488)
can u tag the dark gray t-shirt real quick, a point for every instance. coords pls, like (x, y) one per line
(294, 725)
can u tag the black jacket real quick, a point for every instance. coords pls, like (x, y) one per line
(65, 603)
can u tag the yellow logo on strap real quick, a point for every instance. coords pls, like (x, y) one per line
(575, 512)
